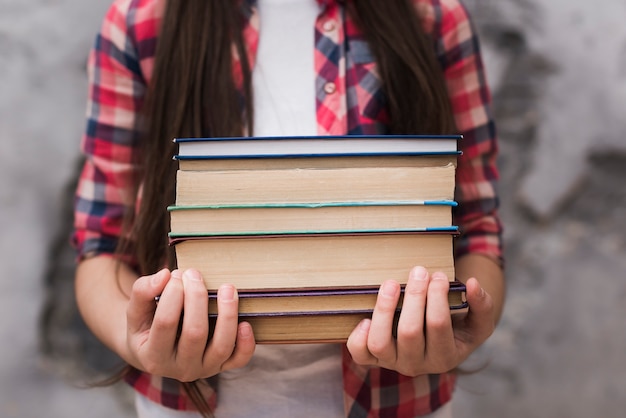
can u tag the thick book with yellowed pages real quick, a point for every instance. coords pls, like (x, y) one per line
(322, 301)
(357, 184)
(317, 260)
(309, 217)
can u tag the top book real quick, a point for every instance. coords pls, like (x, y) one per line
(316, 146)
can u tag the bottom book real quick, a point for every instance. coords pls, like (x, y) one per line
(300, 329)
(315, 316)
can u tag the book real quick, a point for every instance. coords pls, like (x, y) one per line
(321, 152)
(302, 329)
(324, 301)
(191, 163)
(333, 327)
(358, 184)
(309, 217)
(314, 317)
(315, 146)
(314, 260)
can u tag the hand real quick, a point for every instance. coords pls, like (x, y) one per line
(428, 340)
(164, 342)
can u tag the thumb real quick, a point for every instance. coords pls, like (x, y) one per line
(143, 296)
(479, 322)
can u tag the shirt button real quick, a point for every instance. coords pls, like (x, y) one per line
(330, 88)
(328, 26)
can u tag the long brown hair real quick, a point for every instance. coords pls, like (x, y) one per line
(192, 93)
(192, 74)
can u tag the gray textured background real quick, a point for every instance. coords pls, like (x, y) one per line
(557, 71)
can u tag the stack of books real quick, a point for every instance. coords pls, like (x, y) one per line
(307, 228)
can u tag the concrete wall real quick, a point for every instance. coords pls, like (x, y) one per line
(43, 50)
(557, 70)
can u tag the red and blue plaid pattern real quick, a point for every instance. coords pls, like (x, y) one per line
(349, 101)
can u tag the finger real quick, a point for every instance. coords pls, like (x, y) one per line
(380, 341)
(165, 325)
(357, 344)
(141, 306)
(222, 344)
(194, 334)
(439, 333)
(410, 335)
(244, 348)
(479, 322)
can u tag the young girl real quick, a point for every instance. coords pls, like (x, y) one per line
(161, 70)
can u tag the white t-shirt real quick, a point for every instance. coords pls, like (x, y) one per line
(302, 380)
(283, 77)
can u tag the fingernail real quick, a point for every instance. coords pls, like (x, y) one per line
(245, 330)
(439, 276)
(192, 274)
(389, 289)
(419, 273)
(226, 292)
(177, 274)
(364, 325)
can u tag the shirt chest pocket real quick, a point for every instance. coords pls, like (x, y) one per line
(360, 53)
(364, 90)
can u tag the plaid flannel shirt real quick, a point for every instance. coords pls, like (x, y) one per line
(349, 101)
